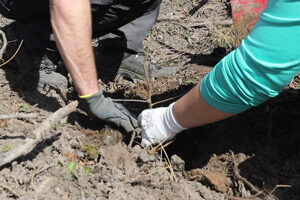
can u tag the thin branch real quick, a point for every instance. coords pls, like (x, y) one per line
(169, 162)
(145, 66)
(19, 116)
(159, 147)
(38, 171)
(130, 100)
(134, 134)
(169, 99)
(9, 189)
(279, 186)
(18, 49)
(4, 41)
(38, 133)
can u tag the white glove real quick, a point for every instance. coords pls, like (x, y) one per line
(158, 125)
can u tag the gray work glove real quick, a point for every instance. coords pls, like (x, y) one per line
(107, 110)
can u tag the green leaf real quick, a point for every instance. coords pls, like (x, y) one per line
(74, 176)
(59, 163)
(87, 170)
(24, 107)
(72, 166)
(7, 148)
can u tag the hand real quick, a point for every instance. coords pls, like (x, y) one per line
(107, 110)
(155, 126)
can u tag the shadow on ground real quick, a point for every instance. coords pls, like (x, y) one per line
(269, 134)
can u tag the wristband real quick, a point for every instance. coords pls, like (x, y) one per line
(85, 96)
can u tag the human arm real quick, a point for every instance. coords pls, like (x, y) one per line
(71, 23)
(72, 26)
(266, 61)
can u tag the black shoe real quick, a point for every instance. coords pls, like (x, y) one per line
(34, 66)
(132, 67)
(113, 65)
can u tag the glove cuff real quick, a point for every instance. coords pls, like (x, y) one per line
(88, 96)
(170, 122)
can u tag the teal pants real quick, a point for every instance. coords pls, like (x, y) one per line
(266, 61)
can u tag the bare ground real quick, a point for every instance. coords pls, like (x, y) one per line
(252, 156)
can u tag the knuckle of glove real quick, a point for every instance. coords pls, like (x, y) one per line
(107, 110)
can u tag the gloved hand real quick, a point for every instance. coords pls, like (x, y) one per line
(158, 125)
(105, 109)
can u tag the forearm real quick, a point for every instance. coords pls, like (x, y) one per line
(259, 69)
(71, 22)
(192, 110)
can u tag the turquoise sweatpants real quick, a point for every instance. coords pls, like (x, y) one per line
(266, 61)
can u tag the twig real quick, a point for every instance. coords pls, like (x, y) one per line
(9, 189)
(237, 174)
(169, 162)
(153, 150)
(279, 186)
(39, 170)
(149, 100)
(134, 133)
(145, 101)
(4, 41)
(19, 116)
(12, 57)
(130, 100)
(169, 99)
(157, 148)
(38, 133)
(145, 66)
(236, 198)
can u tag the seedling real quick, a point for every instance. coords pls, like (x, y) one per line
(7, 148)
(72, 167)
(24, 107)
(91, 150)
(57, 126)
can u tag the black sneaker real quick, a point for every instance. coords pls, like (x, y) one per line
(34, 66)
(114, 64)
(132, 67)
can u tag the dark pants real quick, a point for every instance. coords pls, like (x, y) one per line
(118, 23)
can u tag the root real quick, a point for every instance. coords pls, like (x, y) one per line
(38, 133)
(237, 174)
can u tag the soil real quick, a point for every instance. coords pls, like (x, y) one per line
(254, 155)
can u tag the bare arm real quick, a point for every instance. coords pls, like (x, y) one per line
(72, 26)
(192, 110)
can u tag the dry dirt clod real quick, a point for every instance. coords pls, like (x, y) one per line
(220, 181)
(177, 163)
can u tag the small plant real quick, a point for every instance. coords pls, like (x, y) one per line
(72, 166)
(87, 170)
(7, 148)
(57, 126)
(91, 151)
(24, 107)
(190, 82)
(186, 34)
